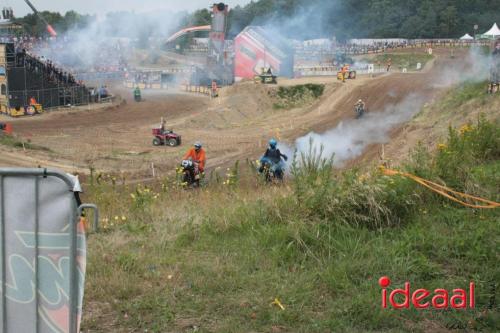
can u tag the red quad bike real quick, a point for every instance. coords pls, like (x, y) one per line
(165, 137)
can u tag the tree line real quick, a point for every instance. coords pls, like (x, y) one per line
(33, 26)
(306, 19)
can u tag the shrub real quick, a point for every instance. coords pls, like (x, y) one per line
(348, 198)
(299, 95)
(466, 148)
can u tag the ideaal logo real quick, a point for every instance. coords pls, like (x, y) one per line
(423, 298)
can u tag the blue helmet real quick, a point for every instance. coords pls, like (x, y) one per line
(273, 143)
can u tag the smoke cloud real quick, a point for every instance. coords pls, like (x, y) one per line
(108, 38)
(350, 138)
(475, 67)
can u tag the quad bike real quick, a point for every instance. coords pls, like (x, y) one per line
(165, 137)
(349, 75)
(360, 111)
(190, 173)
(137, 95)
(270, 170)
(267, 77)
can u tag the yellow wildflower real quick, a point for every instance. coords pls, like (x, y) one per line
(442, 146)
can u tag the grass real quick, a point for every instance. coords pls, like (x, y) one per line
(11, 141)
(214, 260)
(298, 95)
(465, 93)
(406, 60)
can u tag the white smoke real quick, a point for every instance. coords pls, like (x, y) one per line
(475, 67)
(350, 138)
(108, 37)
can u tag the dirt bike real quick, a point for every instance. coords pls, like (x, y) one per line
(191, 174)
(359, 110)
(270, 170)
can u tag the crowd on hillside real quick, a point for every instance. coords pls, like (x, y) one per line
(104, 57)
(47, 68)
(72, 55)
(353, 48)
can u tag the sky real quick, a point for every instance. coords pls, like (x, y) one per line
(103, 6)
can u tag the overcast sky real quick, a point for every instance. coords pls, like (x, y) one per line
(95, 6)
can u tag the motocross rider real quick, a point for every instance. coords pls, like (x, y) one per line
(360, 103)
(197, 155)
(274, 155)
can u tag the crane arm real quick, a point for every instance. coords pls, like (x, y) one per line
(51, 30)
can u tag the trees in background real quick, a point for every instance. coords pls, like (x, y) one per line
(326, 18)
(368, 18)
(62, 23)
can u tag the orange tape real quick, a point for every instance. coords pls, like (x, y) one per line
(445, 191)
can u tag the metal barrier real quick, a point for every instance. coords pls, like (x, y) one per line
(53, 97)
(204, 90)
(43, 252)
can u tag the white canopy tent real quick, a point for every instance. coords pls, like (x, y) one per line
(493, 32)
(466, 37)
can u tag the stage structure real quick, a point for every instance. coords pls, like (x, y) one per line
(219, 67)
(29, 85)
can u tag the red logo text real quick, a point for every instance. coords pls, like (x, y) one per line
(423, 298)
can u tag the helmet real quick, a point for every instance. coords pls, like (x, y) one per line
(197, 145)
(273, 143)
(360, 101)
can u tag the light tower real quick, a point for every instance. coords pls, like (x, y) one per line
(217, 35)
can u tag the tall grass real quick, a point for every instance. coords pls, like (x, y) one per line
(14, 142)
(214, 259)
(298, 95)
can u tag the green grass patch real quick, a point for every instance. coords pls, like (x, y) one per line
(466, 93)
(214, 260)
(403, 60)
(11, 141)
(298, 95)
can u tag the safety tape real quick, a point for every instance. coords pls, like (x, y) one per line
(445, 191)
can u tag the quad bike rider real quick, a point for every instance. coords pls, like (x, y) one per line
(193, 165)
(137, 94)
(359, 108)
(271, 164)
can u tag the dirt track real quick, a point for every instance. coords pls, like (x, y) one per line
(234, 126)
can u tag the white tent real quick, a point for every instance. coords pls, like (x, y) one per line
(466, 37)
(493, 32)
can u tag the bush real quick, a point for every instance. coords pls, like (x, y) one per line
(348, 198)
(299, 95)
(466, 148)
